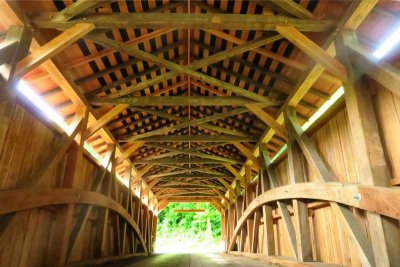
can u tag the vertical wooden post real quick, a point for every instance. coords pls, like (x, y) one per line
(102, 217)
(138, 208)
(256, 222)
(282, 207)
(296, 174)
(154, 232)
(267, 211)
(238, 213)
(248, 199)
(128, 204)
(65, 213)
(371, 164)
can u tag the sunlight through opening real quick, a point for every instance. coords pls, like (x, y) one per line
(388, 45)
(189, 228)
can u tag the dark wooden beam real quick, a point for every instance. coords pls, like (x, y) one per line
(143, 101)
(294, 8)
(185, 21)
(77, 8)
(194, 153)
(178, 161)
(195, 175)
(198, 138)
(188, 70)
(182, 125)
(52, 48)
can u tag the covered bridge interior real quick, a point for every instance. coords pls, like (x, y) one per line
(284, 115)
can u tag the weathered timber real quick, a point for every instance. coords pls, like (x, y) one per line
(52, 48)
(186, 21)
(178, 161)
(197, 138)
(142, 101)
(195, 175)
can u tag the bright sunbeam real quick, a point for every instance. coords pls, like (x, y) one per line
(50, 113)
(388, 45)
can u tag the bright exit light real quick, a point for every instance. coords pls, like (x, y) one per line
(391, 42)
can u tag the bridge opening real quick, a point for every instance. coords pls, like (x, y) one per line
(189, 227)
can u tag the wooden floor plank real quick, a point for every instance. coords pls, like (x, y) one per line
(190, 260)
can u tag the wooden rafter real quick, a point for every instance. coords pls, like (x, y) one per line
(185, 21)
(314, 51)
(53, 47)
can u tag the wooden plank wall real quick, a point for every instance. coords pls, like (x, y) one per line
(330, 243)
(28, 239)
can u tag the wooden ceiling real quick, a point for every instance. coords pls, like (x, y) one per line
(188, 88)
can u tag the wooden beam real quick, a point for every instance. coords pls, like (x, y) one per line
(106, 118)
(189, 183)
(187, 124)
(355, 14)
(64, 216)
(235, 173)
(188, 174)
(52, 48)
(371, 163)
(142, 172)
(77, 8)
(290, 62)
(198, 138)
(194, 153)
(296, 173)
(85, 212)
(42, 197)
(129, 151)
(133, 78)
(314, 51)
(24, 199)
(194, 175)
(382, 72)
(185, 187)
(186, 21)
(47, 164)
(143, 101)
(227, 186)
(79, 61)
(207, 126)
(178, 161)
(15, 46)
(348, 222)
(133, 51)
(247, 153)
(201, 169)
(294, 9)
(199, 63)
(267, 119)
(283, 209)
(268, 225)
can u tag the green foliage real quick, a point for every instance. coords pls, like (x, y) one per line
(189, 225)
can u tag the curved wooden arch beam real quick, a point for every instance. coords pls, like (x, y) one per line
(18, 200)
(385, 201)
